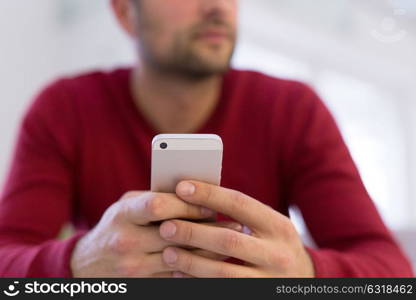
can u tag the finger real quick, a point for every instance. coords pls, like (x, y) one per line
(151, 207)
(177, 274)
(174, 274)
(209, 254)
(150, 241)
(163, 275)
(239, 206)
(226, 224)
(212, 255)
(197, 266)
(134, 239)
(219, 240)
(156, 263)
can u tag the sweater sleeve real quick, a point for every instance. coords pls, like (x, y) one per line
(325, 185)
(36, 200)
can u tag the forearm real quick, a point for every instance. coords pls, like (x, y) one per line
(46, 259)
(375, 259)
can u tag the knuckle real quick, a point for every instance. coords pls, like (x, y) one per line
(279, 260)
(121, 243)
(186, 263)
(114, 214)
(125, 270)
(154, 206)
(239, 201)
(284, 262)
(209, 193)
(273, 259)
(187, 233)
(130, 269)
(231, 242)
(190, 210)
(288, 230)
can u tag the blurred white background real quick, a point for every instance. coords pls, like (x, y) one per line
(359, 55)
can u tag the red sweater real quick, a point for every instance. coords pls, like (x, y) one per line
(83, 144)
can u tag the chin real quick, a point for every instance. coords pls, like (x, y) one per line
(204, 63)
(215, 63)
(202, 71)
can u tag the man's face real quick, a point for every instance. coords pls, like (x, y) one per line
(193, 38)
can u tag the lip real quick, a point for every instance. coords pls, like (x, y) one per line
(213, 36)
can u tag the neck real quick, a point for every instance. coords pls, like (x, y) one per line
(174, 104)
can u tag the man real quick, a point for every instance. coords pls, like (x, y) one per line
(83, 155)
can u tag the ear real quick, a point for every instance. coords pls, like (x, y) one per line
(126, 15)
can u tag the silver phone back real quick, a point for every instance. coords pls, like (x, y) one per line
(187, 157)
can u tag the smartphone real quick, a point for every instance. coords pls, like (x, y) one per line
(177, 157)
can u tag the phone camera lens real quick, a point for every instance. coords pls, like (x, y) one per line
(163, 146)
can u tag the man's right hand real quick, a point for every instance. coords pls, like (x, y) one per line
(126, 242)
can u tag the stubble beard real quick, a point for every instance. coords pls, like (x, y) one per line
(185, 61)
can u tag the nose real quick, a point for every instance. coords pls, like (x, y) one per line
(219, 7)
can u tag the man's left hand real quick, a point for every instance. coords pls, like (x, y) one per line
(272, 249)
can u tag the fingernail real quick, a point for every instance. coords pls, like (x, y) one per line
(177, 274)
(207, 212)
(168, 230)
(186, 189)
(170, 256)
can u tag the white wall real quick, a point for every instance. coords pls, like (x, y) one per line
(25, 34)
(38, 43)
